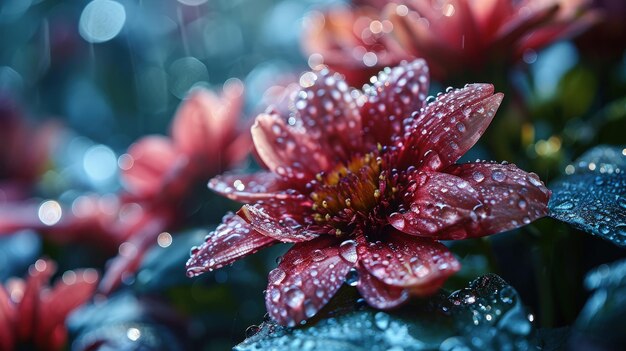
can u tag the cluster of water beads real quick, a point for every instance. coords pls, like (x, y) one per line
(592, 195)
(487, 315)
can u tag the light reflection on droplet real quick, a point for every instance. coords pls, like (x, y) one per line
(41, 265)
(127, 249)
(376, 27)
(90, 275)
(100, 163)
(448, 10)
(125, 162)
(164, 239)
(192, 2)
(101, 20)
(50, 212)
(315, 61)
(529, 56)
(307, 79)
(239, 185)
(370, 59)
(184, 73)
(402, 10)
(133, 334)
(69, 277)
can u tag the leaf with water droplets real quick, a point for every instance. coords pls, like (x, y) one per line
(592, 196)
(307, 277)
(600, 324)
(127, 322)
(231, 240)
(488, 315)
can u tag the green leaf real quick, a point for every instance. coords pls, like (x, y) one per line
(487, 315)
(592, 196)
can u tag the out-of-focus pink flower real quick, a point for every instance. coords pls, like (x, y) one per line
(454, 36)
(32, 314)
(159, 173)
(366, 182)
(206, 139)
(24, 151)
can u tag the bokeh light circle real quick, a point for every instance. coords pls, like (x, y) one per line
(101, 20)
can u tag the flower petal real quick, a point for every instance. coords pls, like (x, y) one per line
(283, 220)
(395, 94)
(7, 322)
(205, 121)
(378, 294)
(74, 289)
(400, 260)
(231, 240)
(287, 151)
(142, 237)
(152, 158)
(327, 111)
(438, 205)
(511, 197)
(38, 275)
(252, 187)
(449, 127)
(307, 277)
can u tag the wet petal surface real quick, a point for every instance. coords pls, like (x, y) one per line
(307, 277)
(421, 265)
(395, 95)
(231, 240)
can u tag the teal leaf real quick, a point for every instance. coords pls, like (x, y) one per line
(487, 315)
(592, 195)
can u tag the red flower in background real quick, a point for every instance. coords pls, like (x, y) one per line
(206, 139)
(368, 182)
(159, 173)
(453, 36)
(24, 151)
(33, 314)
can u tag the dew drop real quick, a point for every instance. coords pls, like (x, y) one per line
(347, 249)
(276, 276)
(498, 176)
(294, 297)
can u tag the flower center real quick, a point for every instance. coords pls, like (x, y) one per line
(350, 194)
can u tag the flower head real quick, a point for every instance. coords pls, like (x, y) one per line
(454, 36)
(33, 314)
(365, 183)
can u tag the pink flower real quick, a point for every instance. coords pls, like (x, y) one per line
(366, 183)
(206, 139)
(453, 36)
(159, 173)
(33, 314)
